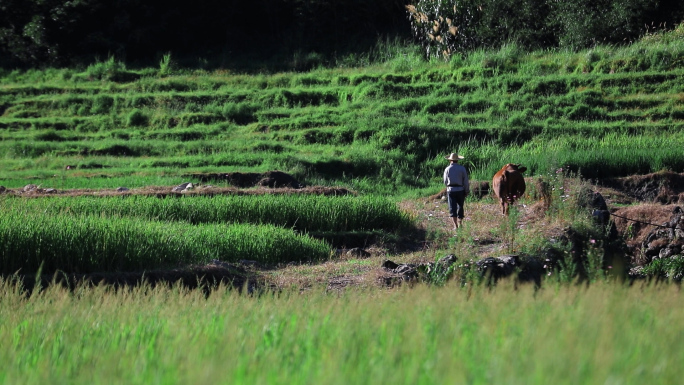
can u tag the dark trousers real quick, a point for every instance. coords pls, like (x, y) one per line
(456, 200)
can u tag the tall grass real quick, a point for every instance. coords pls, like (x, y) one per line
(299, 212)
(84, 244)
(562, 335)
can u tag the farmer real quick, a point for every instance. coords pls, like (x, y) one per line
(456, 180)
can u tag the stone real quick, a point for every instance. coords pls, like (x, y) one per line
(357, 252)
(181, 187)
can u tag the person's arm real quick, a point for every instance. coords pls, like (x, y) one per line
(444, 178)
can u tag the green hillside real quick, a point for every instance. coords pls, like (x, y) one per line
(602, 112)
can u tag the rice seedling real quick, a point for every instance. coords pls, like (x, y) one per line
(305, 213)
(89, 243)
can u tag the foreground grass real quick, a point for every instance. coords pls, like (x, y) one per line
(560, 334)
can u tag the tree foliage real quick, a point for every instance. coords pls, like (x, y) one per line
(68, 32)
(444, 27)
(40, 32)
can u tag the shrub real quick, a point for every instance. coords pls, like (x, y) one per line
(166, 65)
(108, 70)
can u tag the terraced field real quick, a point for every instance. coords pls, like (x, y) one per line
(377, 130)
(604, 112)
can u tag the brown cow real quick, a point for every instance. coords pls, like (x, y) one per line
(508, 185)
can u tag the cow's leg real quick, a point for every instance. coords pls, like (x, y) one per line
(502, 202)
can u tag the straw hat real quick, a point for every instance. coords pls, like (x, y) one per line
(454, 156)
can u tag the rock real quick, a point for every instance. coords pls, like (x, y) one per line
(276, 179)
(405, 271)
(497, 268)
(447, 260)
(30, 188)
(3, 189)
(413, 271)
(50, 191)
(636, 272)
(357, 252)
(122, 189)
(182, 187)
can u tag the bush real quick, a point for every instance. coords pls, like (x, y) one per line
(107, 70)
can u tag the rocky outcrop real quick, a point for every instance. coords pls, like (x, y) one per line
(667, 240)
